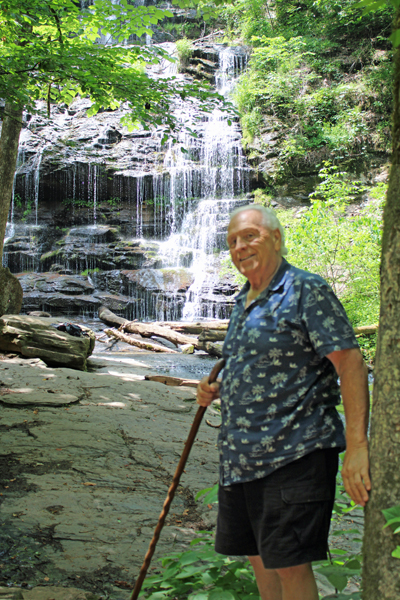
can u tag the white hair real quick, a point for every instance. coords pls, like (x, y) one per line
(268, 219)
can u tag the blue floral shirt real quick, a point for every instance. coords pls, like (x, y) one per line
(278, 390)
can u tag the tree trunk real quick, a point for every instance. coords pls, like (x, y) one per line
(9, 139)
(381, 572)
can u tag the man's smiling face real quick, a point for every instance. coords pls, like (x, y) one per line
(254, 248)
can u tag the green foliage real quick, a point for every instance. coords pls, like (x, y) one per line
(48, 51)
(113, 201)
(185, 50)
(201, 574)
(327, 88)
(78, 203)
(392, 516)
(367, 345)
(17, 201)
(248, 18)
(26, 206)
(339, 240)
(90, 272)
(340, 243)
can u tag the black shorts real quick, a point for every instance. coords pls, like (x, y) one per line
(283, 517)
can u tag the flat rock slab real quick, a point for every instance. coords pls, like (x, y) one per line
(82, 485)
(31, 382)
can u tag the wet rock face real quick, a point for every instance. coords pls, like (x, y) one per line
(104, 215)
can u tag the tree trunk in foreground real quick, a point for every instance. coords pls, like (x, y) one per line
(381, 572)
(8, 160)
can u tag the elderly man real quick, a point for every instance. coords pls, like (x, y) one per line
(288, 341)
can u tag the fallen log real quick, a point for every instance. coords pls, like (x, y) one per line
(366, 330)
(138, 343)
(212, 335)
(149, 329)
(173, 381)
(195, 328)
(109, 318)
(210, 348)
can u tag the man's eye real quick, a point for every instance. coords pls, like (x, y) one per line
(232, 243)
(249, 236)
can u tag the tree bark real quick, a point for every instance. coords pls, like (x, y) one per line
(109, 318)
(196, 328)
(212, 335)
(143, 345)
(149, 329)
(381, 572)
(9, 139)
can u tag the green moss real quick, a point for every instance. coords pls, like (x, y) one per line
(48, 255)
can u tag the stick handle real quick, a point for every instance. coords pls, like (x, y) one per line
(175, 482)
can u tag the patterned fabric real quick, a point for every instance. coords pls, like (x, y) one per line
(278, 390)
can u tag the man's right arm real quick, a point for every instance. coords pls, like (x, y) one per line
(207, 393)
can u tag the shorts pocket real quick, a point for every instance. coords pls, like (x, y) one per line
(305, 494)
(306, 513)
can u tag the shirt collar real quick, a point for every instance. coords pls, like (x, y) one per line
(277, 282)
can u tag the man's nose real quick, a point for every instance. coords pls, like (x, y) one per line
(240, 243)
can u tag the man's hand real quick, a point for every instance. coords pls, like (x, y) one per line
(206, 393)
(355, 473)
(353, 375)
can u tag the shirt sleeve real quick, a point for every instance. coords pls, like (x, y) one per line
(325, 319)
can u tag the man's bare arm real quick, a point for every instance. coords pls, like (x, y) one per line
(353, 375)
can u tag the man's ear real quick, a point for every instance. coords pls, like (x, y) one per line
(277, 239)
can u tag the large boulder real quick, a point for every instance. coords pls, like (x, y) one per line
(11, 293)
(37, 337)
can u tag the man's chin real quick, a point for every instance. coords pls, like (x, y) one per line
(246, 270)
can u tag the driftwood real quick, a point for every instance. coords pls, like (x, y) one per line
(196, 328)
(174, 381)
(213, 349)
(212, 335)
(150, 329)
(133, 342)
(109, 318)
(366, 330)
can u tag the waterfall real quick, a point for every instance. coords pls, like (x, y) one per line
(211, 188)
(147, 222)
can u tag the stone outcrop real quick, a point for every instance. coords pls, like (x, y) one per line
(94, 203)
(292, 180)
(11, 293)
(85, 486)
(36, 337)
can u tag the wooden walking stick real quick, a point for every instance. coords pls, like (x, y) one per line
(175, 482)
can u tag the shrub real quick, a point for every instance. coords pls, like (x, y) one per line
(185, 50)
(342, 246)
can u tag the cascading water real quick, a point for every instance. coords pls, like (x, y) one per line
(216, 181)
(102, 193)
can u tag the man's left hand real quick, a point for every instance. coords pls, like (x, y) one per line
(355, 473)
